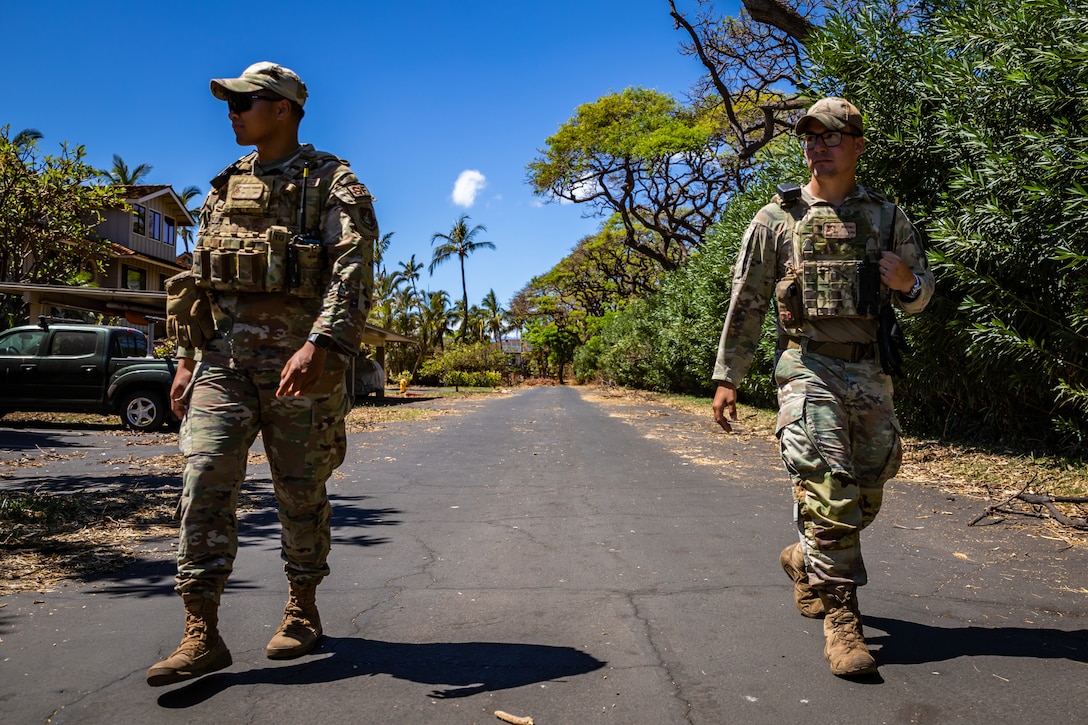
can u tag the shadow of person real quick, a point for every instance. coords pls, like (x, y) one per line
(456, 669)
(910, 643)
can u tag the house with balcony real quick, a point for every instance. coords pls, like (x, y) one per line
(144, 238)
(143, 255)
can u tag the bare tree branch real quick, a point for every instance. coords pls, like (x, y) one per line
(781, 15)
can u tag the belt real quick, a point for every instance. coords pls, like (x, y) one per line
(848, 351)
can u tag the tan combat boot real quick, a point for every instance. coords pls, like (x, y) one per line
(301, 626)
(804, 596)
(845, 646)
(201, 651)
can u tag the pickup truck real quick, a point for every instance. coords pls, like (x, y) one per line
(76, 368)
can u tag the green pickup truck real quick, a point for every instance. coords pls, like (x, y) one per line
(75, 368)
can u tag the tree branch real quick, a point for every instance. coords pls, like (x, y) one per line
(780, 15)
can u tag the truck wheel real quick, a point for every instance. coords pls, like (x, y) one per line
(143, 410)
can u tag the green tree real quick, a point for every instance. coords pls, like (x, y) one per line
(460, 243)
(665, 170)
(186, 196)
(553, 343)
(121, 174)
(49, 208)
(435, 321)
(493, 316)
(979, 122)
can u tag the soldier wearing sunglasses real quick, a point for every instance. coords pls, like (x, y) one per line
(265, 321)
(832, 254)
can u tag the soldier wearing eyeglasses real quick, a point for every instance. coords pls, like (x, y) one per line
(831, 254)
(266, 321)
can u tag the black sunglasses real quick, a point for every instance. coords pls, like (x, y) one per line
(241, 102)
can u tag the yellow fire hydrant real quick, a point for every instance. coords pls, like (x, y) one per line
(403, 386)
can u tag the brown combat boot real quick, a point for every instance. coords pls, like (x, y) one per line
(301, 626)
(804, 596)
(845, 646)
(201, 651)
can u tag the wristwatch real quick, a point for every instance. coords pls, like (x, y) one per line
(319, 340)
(916, 288)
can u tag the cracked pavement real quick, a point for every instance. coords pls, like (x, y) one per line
(537, 554)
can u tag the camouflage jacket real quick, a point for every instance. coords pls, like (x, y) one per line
(766, 251)
(261, 330)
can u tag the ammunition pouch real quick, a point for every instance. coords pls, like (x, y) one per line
(791, 310)
(273, 262)
(188, 312)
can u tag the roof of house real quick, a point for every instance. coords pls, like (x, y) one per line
(142, 193)
(122, 252)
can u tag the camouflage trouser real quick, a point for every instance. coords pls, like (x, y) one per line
(840, 442)
(304, 440)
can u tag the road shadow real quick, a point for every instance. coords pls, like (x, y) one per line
(910, 643)
(258, 527)
(393, 401)
(456, 669)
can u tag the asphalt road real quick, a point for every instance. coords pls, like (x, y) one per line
(546, 556)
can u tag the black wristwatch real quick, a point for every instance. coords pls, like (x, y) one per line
(916, 288)
(319, 340)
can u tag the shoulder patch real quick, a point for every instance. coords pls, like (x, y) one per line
(359, 191)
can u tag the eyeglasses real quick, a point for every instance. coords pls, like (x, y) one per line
(831, 139)
(240, 102)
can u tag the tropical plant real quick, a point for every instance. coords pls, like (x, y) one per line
(186, 196)
(121, 174)
(460, 243)
(49, 208)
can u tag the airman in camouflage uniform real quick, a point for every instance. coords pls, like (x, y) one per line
(837, 428)
(266, 320)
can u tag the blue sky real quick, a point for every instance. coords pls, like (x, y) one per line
(413, 94)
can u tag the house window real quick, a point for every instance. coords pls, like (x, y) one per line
(133, 277)
(154, 224)
(138, 221)
(169, 231)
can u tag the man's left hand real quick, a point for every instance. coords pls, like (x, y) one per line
(302, 371)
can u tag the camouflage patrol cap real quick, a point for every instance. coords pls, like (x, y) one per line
(263, 76)
(834, 113)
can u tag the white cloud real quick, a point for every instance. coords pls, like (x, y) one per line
(467, 186)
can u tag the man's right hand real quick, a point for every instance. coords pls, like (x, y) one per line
(725, 406)
(182, 377)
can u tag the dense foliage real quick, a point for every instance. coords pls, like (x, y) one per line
(977, 113)
(979, 116)
(477, 364)
(49, 207)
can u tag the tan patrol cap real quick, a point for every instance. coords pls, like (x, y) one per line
(834, 113)
(263, 76)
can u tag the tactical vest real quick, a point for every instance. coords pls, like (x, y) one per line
(834, 256)
(259, 236)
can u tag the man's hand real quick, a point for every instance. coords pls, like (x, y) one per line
(895, 274)
(725, 406)
(183, 376)
(302, 371)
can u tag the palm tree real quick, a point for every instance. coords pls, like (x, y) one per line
(24, 137)
(380, 248)
(460, 242)
(121, 174)
(494, 315)
(186, 196)
(435, 322)
(409, 272)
